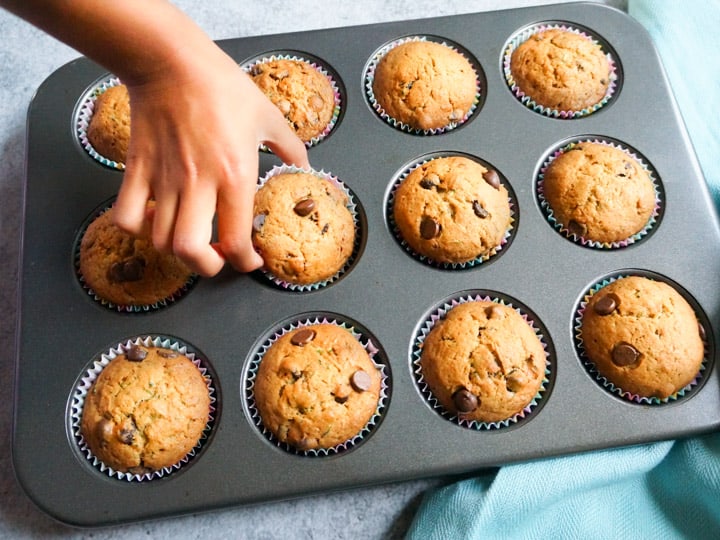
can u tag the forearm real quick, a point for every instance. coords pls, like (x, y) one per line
(135, 39)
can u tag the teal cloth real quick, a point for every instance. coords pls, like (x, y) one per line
(661, 490)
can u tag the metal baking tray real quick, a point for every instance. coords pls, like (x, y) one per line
(387, 292)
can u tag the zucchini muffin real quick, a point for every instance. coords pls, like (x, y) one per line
(109, 128)
(425, 85)
(126, 270)
(316, 387)
(561, 70)
(483, 362)
(303, 227)
(146, 410)
(452, 210)
(303, 94)
(642, 336)
(599, 192)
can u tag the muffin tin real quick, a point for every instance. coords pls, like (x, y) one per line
(387, 294)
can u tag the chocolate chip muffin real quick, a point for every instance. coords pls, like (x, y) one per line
(561, 70)
(425, 85)
(452, 210)
(126, 270)
(303, 227)
(599, 192)
(146, 410)
(483, 362)
(643, 337)
(301, 91)
(109, 128)
(316, 387)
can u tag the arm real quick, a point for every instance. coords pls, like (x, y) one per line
(197, 121)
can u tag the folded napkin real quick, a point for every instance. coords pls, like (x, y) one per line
(661, 490)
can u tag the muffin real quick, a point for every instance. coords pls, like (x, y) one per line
(108, 130)
(483, 362)
(303, 94)
(146, 410)
(561, 70)
(127, 271)
(452, 210)
(599, 192)
(643, 337)
(425, 85)
(303, 227)
(316, 387)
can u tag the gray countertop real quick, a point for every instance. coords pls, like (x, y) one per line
(28, 57)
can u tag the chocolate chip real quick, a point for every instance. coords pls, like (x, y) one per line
(361, 381)
(325, 229)
(624, 354)
(701, 330)
(607, 304)
(302, 337)
(479, 210)
(429, 228)
(167, 354)
(492, 178)
(316, 102)
(136, 354)
(465, 401)
(426, 183)
(105, 429)
(127, 435)
(129, 270)
(304, 207)
(513, 382)
(576, 228)
(258, 222)
(493, 312)
(341, 393)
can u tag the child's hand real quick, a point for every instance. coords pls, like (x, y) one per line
(194, 149)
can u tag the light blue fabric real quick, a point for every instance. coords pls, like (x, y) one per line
(661, 490)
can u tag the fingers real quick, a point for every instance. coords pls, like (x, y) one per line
(235, 215)
(284, 142)
(130, 212)
(192, 232)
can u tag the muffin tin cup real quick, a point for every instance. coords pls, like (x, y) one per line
(370, 347)
(112, 306)
(439, 314)
(85, 383)
(610, 387)
(352, 206)
(84, 115)
(495, 251)
(587, 242)
(372, 100)
(321, 67)
(529, 102)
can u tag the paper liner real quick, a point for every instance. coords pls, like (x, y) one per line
(351, 205)
(606, 384)
(419, 340)
(370, 94)
(528, 101)
(92, 373)
(254, 364)
(124, 308)
(428, 260)
(83, 116)
(549, 214)
(325, 72)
